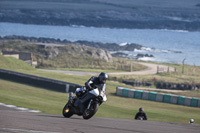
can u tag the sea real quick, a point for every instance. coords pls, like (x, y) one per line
(167, 46)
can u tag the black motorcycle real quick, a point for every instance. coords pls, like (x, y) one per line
(90, 106)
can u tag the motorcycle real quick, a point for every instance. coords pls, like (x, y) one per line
(90, 106)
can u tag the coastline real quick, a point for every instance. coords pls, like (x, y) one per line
(166, 46)
(173, 15)
(116, 50)
(123, 50)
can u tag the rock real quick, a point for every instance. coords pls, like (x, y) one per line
(100, 54)
(144, 55)
(119, 54)
(52, 52)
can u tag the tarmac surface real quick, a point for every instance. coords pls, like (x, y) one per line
(15, 121)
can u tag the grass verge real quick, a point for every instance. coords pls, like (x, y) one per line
(52, 102)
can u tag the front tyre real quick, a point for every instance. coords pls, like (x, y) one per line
(66, 111)
(88, 113)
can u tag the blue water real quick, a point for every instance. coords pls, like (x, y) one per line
(165, 41)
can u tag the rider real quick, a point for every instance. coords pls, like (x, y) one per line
(93, 83)
(141, 115)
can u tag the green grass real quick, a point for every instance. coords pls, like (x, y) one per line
(86, 70)
(191, 75)
(12, 63)
(31, 97)
(116, 107)
(88, 63)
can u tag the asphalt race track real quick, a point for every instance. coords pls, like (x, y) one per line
(15, 121)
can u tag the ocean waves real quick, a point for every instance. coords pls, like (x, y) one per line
(148, 54)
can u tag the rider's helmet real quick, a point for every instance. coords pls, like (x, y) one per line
(141, 109)
(103, 77)
(191, 121)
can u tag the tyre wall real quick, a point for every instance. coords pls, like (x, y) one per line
(174, 86)
(47, 83)
(136, 83)
(158, 97)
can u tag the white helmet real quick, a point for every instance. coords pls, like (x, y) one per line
(191, 121)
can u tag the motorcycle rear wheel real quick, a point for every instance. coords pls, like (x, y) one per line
(66, 111)
(88, 113)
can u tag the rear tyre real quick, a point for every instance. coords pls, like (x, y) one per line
(66, 111)
(88, 113)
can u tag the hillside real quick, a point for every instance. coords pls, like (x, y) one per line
(57, 55)
(13, 64)
(51, 55)
(140, 14)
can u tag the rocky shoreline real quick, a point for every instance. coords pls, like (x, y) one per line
(124, 55)
(105, 46)
(112, 14)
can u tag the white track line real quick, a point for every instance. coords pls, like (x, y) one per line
(20, 108)
(24, 131)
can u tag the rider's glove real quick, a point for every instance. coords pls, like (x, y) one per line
(102, 94)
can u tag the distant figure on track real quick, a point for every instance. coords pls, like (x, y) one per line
(141, 115)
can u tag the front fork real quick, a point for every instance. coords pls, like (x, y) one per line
(89, 104)
(70, 96)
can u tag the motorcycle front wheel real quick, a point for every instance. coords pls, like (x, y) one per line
(66, 111)
(88, 113)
